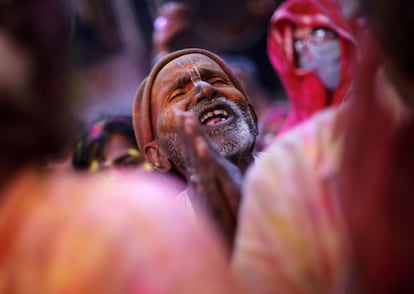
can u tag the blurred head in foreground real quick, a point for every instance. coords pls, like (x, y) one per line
(35, 110)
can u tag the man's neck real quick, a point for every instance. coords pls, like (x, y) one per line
(242, 161)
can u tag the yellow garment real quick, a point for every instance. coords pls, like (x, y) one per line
(290, 237)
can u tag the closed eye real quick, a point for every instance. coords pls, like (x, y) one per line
(217, 81)
(176, 94)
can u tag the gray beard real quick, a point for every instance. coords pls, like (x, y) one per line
(235, 139)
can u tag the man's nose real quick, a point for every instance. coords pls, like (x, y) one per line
(204, 90)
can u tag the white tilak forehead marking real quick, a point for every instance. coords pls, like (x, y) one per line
(191, 69)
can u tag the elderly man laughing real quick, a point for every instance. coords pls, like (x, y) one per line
(193, 118)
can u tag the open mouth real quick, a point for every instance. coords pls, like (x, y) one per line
(213, 115)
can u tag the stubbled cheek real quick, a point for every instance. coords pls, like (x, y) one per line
(165, 123)
(183, 104)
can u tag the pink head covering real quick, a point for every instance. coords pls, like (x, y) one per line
(305, 92)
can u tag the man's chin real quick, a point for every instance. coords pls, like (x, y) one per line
(232, 144)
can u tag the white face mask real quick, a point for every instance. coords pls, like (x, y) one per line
(325, 61)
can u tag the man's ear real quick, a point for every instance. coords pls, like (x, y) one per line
(157, 157)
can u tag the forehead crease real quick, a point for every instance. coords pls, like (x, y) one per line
(198, 60)
(301, 32)
(165, 78)
(203, 64)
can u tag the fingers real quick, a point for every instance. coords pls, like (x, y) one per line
(195, 145)
(219, 175)
(210, 175)
(185, 130)
(201, 147)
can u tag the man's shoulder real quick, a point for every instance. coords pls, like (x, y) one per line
(322, 128)
(312, 150)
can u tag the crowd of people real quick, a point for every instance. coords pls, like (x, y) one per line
(209, 185)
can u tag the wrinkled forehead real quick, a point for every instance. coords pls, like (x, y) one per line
(189, 64)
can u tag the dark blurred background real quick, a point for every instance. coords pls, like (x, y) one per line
(113, 45)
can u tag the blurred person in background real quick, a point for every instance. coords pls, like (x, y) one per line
(62, 233)
(196, 24)
(313, 50)
(108, 143)
(173, 29)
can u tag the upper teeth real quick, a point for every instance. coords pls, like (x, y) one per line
(213, 113)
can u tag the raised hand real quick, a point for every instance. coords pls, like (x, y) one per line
(213, 181)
